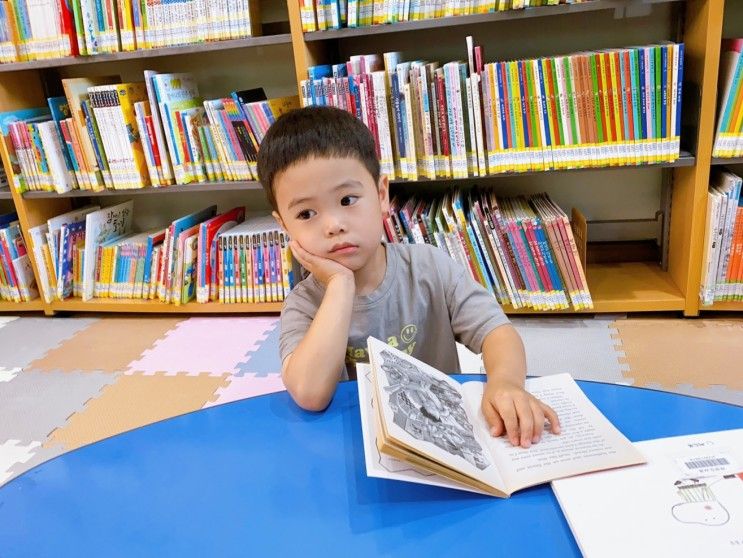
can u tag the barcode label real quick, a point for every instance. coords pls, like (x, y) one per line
(707, 463)
(717, 463)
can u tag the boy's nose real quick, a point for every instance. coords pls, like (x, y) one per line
(334, 226)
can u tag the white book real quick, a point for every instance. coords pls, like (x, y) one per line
(420, 425)
(410, 155)
(379, 85)
(38, 240)
(729, 187)
(711, 241)
(687, 500)
(63, 179)
(55, 224)
(165, 167)
(101, 226)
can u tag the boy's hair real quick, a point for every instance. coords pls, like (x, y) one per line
(315, 131)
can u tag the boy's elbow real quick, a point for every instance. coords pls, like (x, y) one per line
(309, 397)
(310, 402)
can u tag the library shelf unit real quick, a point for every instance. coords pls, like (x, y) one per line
(615, 287)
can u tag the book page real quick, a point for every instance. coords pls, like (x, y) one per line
(587, 442)
(422, 410)
(686, 501)
(383, 466)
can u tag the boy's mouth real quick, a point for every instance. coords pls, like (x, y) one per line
(343, 248)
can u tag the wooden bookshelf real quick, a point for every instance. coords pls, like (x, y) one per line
(152, 306)
(623, 287)
(32, 306)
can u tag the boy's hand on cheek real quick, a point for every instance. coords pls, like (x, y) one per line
(323, 269)
(509, 409)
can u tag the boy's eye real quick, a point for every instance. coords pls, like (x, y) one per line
(349, 200)
(305, 214)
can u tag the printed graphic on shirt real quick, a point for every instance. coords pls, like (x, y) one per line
(404, 342)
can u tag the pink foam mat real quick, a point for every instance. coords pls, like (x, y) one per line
(242, 387)
(204, 346)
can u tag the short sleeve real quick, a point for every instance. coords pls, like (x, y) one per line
(297, 314)
(474, 312)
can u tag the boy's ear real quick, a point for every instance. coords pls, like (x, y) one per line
(383, 189)
(277, 217)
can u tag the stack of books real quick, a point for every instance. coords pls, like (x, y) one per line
(336, 14)
(522, 250)
(92, 252)
(105, 134)
(722, 265)
(463, 119)
(42, 29)
(729, 136)
(17, 282)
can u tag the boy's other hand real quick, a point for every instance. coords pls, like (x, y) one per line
(323, 269)
(509, 409)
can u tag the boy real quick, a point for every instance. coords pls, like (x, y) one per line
(321, 174)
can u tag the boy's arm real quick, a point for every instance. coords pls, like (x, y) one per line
(507, 406)
(311, 372)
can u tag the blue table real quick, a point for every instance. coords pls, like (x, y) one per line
(260, 477)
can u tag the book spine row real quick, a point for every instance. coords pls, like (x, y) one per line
(607, 108)
(522, 250)
(43, 29)
(722, 264)
(729, 135)
(322, 15)
(17, 281)
(135, 135)
(203, 257)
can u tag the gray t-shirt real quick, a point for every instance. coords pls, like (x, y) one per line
(425, 303)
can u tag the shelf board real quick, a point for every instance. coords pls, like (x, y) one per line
(727, 160)
(509, 15)
(33, 306)
(153, 306)
(5, 194)
(685, 159)
(724, 307)
(247, 42)
(626, 287)
(623, 287)
(174, 189)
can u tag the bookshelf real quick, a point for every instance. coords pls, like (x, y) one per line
(615, 287)
(732, 26)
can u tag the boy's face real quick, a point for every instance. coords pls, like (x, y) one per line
(333, 208)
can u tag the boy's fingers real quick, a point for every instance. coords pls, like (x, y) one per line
(493, 419)
(538, 414)
(551, 416)
(304, 257)
(526, 421)
(507, 413)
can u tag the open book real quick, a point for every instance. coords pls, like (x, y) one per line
(420, 425)
(686, 501)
